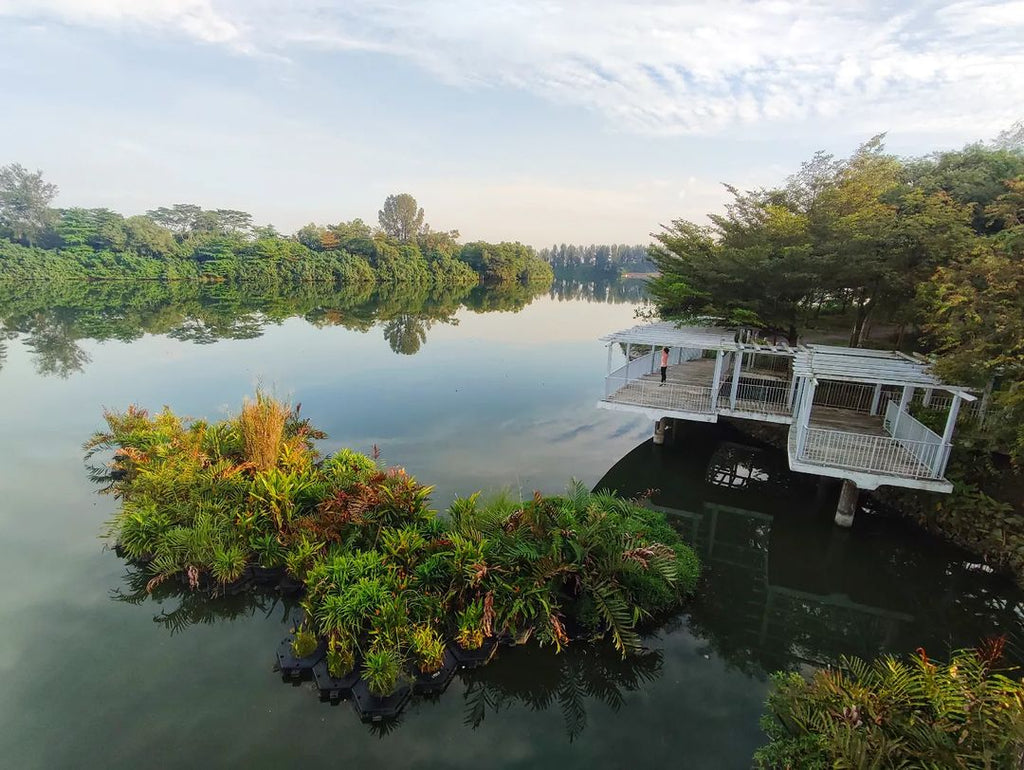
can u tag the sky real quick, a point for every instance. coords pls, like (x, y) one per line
(542, 121)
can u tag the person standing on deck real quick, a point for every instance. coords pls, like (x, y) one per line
(664, 365)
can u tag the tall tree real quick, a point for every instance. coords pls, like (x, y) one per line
(25, 202)
(401, 217)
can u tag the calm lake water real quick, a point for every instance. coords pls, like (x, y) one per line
(95, 675)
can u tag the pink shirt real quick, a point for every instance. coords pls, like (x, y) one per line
(664, 358)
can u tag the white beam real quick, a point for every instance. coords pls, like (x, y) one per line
(876, 398)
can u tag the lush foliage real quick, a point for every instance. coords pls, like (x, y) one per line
(598, 260)
(895, 713)
(386, 580)
(508, 262)
(187, 242)
(930, 249)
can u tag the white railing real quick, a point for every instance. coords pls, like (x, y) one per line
(854, 396)
(918, 438)
(870, 453)
(757, 396)
(651, 393)
(635, 369)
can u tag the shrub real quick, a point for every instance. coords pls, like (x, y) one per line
(262, 426)
(380, 672)
(892, 713)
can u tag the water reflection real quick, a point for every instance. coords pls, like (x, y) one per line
(540, 679)
(52, 319)
(599, 288)
(182, 608)
(784, 586)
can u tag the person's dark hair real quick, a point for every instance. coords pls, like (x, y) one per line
(665, 349)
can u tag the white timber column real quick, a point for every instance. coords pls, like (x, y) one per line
(716, 380)
(847, 506)
(610, 357)
(655, 351)
(792, 389)
(806, 402)
(947, 437)
(908, 393)
(737, 363)
(875, 398)
(629, 361)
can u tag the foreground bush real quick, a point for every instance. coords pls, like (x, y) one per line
(896, 713)
(387, 582)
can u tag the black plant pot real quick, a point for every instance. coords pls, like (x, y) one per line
(474, 658)
(292, 667)
(333, 688)
(436, 682)
(289, 585)
(375, 709)
(265, 577)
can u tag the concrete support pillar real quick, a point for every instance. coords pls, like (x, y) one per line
(847, 506)
(659, 430)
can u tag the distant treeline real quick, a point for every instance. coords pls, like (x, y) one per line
(187, 242)
(611, 259)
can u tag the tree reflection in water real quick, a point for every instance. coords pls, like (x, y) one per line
(784, 587)
(52, 318)
(190, 607)
(541, 679)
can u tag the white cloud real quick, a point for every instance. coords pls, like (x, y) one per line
(649, 66)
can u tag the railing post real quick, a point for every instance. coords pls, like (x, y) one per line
(737, 363)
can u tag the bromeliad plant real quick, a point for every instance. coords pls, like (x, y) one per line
(386, 580)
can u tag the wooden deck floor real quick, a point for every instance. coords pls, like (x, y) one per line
(860, 444)
(687, 388)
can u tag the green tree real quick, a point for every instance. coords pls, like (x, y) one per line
(401, 217)
(147, 238)
(180, 219)
(25, 202)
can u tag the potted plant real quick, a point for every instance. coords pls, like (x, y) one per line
(379, 694)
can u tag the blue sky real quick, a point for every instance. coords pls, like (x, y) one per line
(535, 121)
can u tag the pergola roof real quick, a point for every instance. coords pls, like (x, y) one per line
(666, 333)
(825, 362)
(886, 367)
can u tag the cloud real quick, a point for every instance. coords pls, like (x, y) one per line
(650, 66)
(198, 19)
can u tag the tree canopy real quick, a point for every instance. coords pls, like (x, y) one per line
(24, 202)
(401, 217)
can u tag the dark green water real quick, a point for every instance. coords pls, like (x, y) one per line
(489, 400)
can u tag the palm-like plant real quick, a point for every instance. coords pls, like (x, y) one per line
(897, 712)
(380, 671)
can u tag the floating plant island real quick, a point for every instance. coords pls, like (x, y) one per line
(394, 597)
